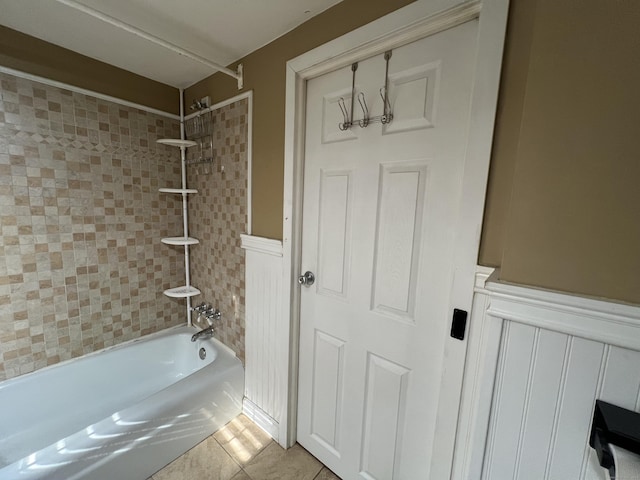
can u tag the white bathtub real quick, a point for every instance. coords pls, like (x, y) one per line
(122, 413)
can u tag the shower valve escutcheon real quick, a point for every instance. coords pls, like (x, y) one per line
(307, 279)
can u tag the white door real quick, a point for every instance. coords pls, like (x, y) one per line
(379, 215)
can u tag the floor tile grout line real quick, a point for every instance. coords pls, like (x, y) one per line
(254, 455)
(254, 458)
(225, 451)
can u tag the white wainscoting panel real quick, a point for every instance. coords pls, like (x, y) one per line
(263, 306)
(549, 361)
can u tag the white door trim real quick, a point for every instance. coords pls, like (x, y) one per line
(410, 23)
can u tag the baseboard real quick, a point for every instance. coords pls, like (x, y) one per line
(260, 418)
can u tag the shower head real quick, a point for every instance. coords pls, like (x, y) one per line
(199, 104)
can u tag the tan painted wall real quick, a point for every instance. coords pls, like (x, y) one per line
(563, 205)
(265, 75)
(37, 57)
(573, 222)
(513, 84)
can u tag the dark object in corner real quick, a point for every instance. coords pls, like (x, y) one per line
(613, 425)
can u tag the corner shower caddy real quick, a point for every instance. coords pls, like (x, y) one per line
(186, 291)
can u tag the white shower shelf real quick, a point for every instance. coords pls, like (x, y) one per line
(182, 292)
(180, 241)
(176, 142)
(178, 190)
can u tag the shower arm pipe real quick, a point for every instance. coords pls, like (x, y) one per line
(185, 218)
(238, 75)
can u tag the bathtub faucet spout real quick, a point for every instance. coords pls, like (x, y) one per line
(208, 332)
(210, 314)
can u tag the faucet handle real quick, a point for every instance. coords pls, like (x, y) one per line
(213, 313)
(200, 308)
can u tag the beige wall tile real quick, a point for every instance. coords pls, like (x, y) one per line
(217, 217)
(81, 218)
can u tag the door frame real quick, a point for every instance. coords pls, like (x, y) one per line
(413, 22)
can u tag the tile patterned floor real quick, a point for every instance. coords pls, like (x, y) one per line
(242, 451)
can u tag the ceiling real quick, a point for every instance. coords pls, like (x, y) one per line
(222, 31)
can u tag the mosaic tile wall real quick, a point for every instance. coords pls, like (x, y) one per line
(81, 263)
(217, 217)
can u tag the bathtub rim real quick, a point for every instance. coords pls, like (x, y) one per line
(165, 332)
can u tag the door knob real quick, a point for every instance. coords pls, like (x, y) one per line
(307, 279)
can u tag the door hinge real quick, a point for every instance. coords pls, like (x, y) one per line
(459, 324)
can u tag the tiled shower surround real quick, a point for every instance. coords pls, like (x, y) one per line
(217, 217)
(81, 262)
